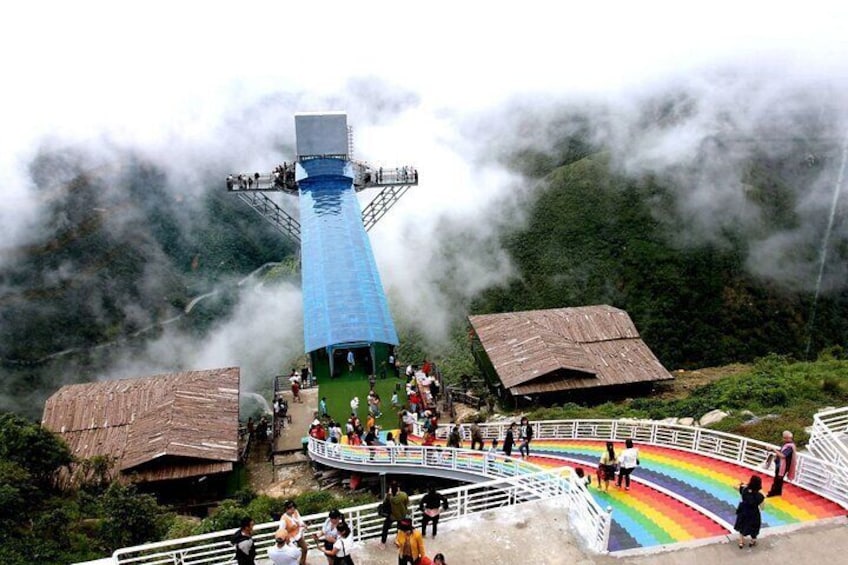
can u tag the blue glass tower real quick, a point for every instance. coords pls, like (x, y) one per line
(344, 305)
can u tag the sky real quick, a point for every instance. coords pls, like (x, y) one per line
(194, 85)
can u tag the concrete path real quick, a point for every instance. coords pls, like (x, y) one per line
(538, 534)
(302, 414)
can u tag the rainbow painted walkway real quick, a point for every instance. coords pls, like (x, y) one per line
(677, 496)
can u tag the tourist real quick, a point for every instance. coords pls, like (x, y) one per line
(350, 360)
(430, 507)
(395, 400)
(525, 435)
(454, 438)
(378, 412)
(294, 525)
(606, 466)
(429, 438)
(476, 436)
(408, 421)
(785, 461)
(409, 542)
(492, 452)
(245, 546)
(283, 552)
(294, 379)
(322, 407)
(583, 477)
(341, 551)
(335, 432)
(330, 533)
(399, 502)
(371, 441)
(354, 405)
(627, 462)
(748, 518)
(509, 440)
(439, 559)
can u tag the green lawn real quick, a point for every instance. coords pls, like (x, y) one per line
(342, 389)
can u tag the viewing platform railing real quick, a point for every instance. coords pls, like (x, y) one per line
(511, 481)
(364, 520)
(829, 436)
(813, 473)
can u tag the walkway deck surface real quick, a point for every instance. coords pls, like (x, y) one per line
(676, 496)
(302, 413)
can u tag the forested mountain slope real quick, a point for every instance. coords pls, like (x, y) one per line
(596, 236)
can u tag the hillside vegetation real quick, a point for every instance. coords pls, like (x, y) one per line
(596, 237)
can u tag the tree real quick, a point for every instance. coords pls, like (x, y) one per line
(38, 451)
(132, 518)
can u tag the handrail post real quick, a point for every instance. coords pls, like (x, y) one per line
(607, 529)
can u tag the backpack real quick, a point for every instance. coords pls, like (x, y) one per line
(385, 508)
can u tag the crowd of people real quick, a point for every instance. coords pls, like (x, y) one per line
(281, 178)
(335, 540)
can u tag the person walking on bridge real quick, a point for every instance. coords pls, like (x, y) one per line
(526, 435)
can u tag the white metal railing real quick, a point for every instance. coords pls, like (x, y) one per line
(215, 548)
(813, 473)
(589, 520)
(828, 439)
(514, 481)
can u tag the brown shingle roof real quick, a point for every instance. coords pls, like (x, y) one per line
(191, 415)
(566, 348)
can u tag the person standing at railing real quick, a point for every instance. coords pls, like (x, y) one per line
(399, 503)
(430, 507)
(245, 546)
(526, 435)
(509, 440)
(294, 525)
(476, 437)
(371, 441)
(784, 464)
(454, 438)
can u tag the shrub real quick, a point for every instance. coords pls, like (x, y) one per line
(832, 386)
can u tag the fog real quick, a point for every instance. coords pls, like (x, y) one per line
(200, 91)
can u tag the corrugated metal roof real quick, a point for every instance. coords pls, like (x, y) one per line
(566, 348)
(343, 297)
(193, 414)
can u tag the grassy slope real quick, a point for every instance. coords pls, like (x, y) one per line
(342, 389)
(781, 393)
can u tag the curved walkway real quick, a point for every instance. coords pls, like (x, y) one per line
(676, 496)
(702, 487)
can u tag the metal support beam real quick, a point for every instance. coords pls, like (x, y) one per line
(272, 212)
(381, 204)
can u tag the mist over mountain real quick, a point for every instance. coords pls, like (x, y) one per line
(712, 213)
(113, 262)
(701, 205)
